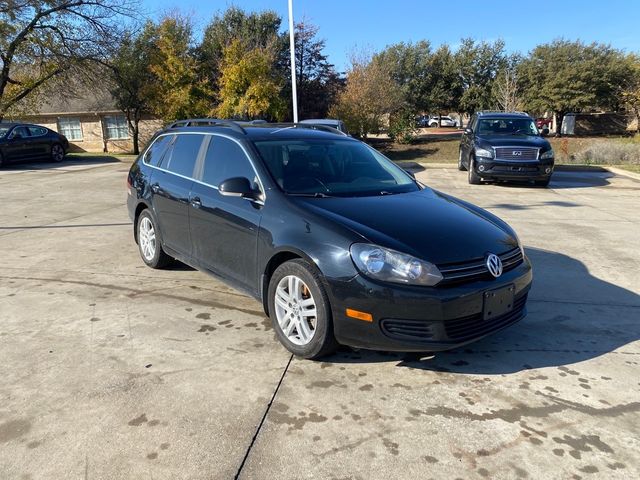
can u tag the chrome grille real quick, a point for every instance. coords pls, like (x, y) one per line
(516, 153)
(477, 269)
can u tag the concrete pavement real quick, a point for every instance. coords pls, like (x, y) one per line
(113, 370)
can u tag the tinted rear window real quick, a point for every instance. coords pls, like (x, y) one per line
(183, 154)
(37, 131)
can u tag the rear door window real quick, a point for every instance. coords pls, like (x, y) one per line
(37, 131)
(225, 159)
(157, 150)
(181, 159)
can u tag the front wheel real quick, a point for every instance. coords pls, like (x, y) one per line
(300, 311)
(57, 152)
(474, 178)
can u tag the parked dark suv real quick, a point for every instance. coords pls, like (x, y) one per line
(23, 141)
(338, 243)
(505, 146)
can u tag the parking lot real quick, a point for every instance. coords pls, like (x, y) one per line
(113, 370)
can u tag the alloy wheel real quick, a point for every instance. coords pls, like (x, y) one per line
(57, 153)
(296, 311)
(147, 239)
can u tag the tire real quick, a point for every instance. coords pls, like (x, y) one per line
(316, 338)
(461, 166)
(57, 152)
(542, 183)
(149, 242)
(1, 161)
(474, 178)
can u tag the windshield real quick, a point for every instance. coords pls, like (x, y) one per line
(507, 126)
(332, 167)
(3, 131)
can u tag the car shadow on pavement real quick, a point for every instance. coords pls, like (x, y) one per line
(67, 162)
(565, 180)
(572, 317)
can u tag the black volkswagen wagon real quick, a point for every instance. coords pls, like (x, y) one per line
(339, 244)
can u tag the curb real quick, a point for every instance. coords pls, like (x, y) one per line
(623, 172)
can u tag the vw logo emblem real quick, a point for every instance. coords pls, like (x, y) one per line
(516, 153)
(494, 264)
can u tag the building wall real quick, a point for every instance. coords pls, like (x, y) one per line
(93, 133)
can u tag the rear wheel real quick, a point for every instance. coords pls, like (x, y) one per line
(474, 178)
(149, 243)
(57, 152)
(300, 311)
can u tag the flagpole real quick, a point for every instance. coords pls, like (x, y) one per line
(292, 48)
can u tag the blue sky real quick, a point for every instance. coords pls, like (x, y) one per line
(349, 24)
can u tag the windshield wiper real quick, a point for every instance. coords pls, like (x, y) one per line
(312, 195)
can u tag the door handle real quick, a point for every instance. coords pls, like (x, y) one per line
(195, 202)
(155, 188)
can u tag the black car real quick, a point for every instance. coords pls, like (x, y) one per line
(338, 243)
(505, 146)
(23, 141)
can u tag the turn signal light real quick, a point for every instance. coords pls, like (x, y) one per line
(365, 317)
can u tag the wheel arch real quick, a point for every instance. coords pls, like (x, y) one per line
(139, 209)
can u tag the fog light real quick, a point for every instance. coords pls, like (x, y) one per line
(481, 168)
(547, 170)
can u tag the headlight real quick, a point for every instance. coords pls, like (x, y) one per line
(546, 155)
(483, 152)
(391, 266)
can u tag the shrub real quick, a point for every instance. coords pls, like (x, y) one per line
(402, 127)
(609, 152)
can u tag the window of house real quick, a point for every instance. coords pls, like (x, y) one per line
(116, 127)
(70, 127)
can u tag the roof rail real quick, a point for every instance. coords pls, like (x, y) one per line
(503, 111)
(309, 126)
(208, 122)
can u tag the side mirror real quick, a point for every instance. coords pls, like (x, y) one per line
(410, 173)
(545, 132)
(468, 131)
(238, 187)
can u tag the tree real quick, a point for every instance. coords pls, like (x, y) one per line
(477, 64)
(564, 76)
(506, 87)
(253, 30)
(370, 94)
(132, 78)
(409, 66)
(249, 85)
(317, 82)
(445, 90)
(630, 91)
(178, 90)
(39, 40)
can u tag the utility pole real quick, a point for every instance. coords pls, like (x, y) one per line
(292, 48)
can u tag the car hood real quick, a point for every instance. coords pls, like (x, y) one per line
(515, 141)
(426, 224)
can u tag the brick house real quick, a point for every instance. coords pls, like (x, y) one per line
(90, 121)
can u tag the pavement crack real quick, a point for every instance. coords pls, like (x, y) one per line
(264, 417)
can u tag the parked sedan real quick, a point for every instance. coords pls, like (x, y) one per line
(339, 244)
(23, 141)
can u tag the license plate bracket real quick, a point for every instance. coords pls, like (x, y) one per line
(498, 302)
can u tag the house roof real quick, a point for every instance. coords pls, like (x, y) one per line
(94, 98)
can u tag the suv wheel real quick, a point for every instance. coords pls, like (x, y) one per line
(461, 166)
(300, 311)
(542, 183)
(149, 243)
(474, 178)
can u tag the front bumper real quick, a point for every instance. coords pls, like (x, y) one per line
(490, 168)
(422, 319)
